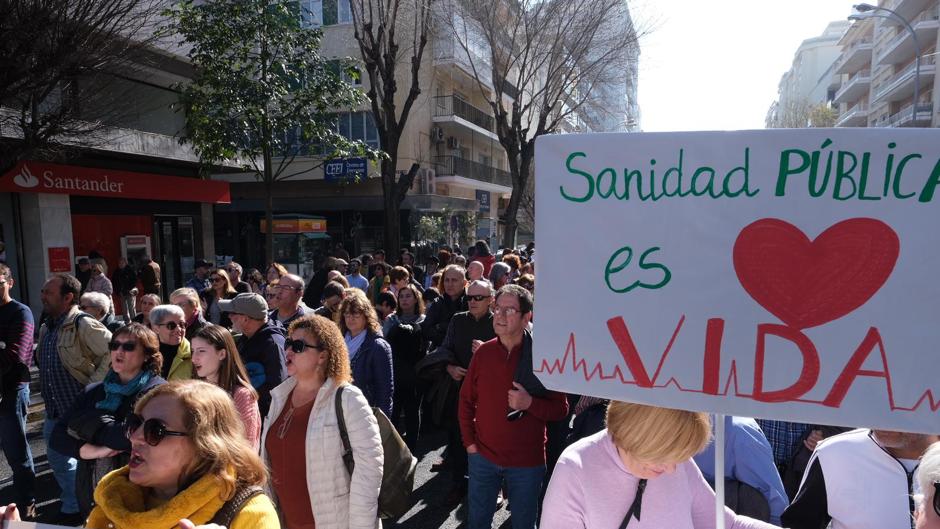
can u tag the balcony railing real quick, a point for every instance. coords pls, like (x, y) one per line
(510, 89)
(857, 111)
(926, 67)
(457, 166)
(454, 106)
(861, 77)
(903, 34)
(904, 115)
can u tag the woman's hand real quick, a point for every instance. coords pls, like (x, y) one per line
(90, 451)
(186, 524)
(10, 513)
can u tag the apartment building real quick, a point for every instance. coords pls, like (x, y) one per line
(811, 81)
(879, 73)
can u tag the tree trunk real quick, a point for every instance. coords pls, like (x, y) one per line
(269, 224)
(520, 178)
(392, 209)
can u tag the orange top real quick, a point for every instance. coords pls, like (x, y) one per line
(288, 468)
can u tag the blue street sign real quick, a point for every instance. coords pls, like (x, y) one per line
(346, 169)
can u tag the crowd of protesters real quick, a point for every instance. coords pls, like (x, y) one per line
(238, 402)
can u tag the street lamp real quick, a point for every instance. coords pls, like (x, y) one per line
(865, 11)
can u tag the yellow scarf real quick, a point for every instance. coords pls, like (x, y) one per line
(124, 504)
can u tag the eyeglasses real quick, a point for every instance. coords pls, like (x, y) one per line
(216, 279)
(154, 430)
(505, 311)
(936, 497)
(479, 298)
(127, 346)
(171, 325)
(299, 346)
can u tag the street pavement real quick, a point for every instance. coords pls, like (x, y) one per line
(428, 511)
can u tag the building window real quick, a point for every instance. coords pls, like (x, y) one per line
(316, 13)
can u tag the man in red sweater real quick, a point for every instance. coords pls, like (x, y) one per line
(499, 448)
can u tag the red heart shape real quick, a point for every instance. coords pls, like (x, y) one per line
(808, 283)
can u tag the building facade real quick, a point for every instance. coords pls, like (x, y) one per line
(878, 71)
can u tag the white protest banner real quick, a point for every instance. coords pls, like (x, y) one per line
(29, 525)
(788, 274)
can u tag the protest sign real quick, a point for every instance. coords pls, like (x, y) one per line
(788, 274)
(29, 525)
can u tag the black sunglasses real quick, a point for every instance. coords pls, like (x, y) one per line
(170, 326)
(936, 497)
(154, 430)
(299, 346)
(478, 298)
(127, 346)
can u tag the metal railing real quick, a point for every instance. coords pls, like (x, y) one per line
(859, 76)
(457, 166)
(906, 114)
(904, 34)
(454, 106)
(890, 83)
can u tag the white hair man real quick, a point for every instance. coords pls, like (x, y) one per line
(927, 514)
(98, 306)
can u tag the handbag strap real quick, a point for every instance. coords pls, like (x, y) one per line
(634, 511)
(348, 460)
(230, 509)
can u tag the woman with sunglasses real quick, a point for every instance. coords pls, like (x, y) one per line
(169, 322)
(302, 426)
(640, 465)
(216, 360)
(402, 330)
(220, 288)
(370, 356)
(927, 514)
(189, 464)
(91, 430)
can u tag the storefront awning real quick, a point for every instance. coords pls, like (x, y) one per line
(41, 177)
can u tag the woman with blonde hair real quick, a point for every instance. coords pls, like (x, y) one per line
(190, 463)
(221, 288)
(370, 356)
(638, 473)
(147, 303)
(927, 515)
(301, 442)
(216, 360)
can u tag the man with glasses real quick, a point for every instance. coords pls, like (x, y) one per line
(500, 448)
(261, 345)
(234, 271)
(16, 355)
(465, 333)
(863, 479)
(290, 291)
(72, 353)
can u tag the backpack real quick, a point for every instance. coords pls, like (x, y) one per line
(398, 471)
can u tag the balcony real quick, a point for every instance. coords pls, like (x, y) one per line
(901, 48)
(855, 116)
(906, 117)
(908, 9)
(450, 53)
(853, 89)
(855, 57)
(455, 110)
(901, 85)
(457, 170)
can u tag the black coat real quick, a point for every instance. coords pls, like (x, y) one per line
(437, 318)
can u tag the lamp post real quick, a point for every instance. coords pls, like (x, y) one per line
(868, 11)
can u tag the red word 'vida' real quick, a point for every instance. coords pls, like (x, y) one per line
(809, 373)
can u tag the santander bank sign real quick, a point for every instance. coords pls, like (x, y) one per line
(41, 177)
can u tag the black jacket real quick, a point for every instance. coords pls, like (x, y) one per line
(437, 318)
(263, 355)
(461, 332)
(124, 279)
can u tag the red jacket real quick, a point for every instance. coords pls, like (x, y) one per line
(487, 261)
(484, 402)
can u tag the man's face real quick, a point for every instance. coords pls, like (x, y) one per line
(238, 321)
(479, 307)
(52, 300)
(202, 272)
(6, 283)
(407, 259)
(378, 258)
(508, 321)
(233, 274)
(289, 292)
(454, 283)
(475, 270)
(333, 302)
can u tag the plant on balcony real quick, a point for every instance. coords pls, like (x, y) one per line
(392, 36)
(554, 60)
(263, 94)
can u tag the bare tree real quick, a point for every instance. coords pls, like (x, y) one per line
(800, 113)
(63, 61)
(551, 59)
(391, 33)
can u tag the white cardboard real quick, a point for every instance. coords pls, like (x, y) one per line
(876, 278)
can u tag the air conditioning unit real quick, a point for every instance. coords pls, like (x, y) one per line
(425, 181)
(453, 143)
(437, 134)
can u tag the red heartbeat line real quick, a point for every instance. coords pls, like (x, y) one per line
(571, 362)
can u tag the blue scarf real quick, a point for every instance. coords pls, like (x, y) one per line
(115, 392)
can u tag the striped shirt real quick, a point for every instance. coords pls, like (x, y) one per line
(59, 387)
(16, 333)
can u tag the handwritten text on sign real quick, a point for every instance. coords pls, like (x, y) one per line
(790, 274)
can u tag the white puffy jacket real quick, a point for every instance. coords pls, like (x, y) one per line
(337, 500)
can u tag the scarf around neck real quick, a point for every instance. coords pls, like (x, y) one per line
(115, 392)
(354, 343)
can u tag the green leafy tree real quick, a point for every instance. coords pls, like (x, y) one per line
(263, 94)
